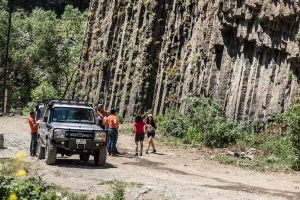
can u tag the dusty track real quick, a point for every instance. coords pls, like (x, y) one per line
(168, 174)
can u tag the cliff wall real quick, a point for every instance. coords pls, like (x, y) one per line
(143, 55)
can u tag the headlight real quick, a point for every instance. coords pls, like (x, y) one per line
(100, 136)
(59, 133)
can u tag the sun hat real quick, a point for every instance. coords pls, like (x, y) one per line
(149, 115)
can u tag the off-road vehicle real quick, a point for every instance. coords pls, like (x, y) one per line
(68, 127)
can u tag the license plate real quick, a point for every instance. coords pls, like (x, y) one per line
(80, 141)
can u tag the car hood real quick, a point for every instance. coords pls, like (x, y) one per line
(77, 126)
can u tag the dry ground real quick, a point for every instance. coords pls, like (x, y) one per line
(169, 174)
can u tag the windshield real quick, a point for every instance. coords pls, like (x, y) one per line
(78, 115)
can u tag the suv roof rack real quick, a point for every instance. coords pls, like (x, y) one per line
(51, 102)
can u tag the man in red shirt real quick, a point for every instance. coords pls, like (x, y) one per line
(33, 130)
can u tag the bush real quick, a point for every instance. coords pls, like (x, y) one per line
(204, 123)
(24, 188)
(291, 118)
(174, 124)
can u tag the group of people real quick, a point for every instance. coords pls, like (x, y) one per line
(108, 120)
(142, 127)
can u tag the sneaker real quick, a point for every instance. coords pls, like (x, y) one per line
(141, 153)
(154, 151)
(136, 154)
(114, 155)
(146, 151)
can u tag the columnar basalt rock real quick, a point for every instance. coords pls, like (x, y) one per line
(145, 55)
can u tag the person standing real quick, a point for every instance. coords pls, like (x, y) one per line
(150, 130)
(113, 127)
(102, 114)
(33, 130)
(139, 134)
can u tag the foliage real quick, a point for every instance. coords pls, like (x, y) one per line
(120, 118)
(297, 36)
(16, 185)
(283, 146)
(175, 124)
(43, 48)
(203, 123)
(291, 118)
(118, 190)
(45, 90)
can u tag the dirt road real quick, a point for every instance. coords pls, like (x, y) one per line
(170, 174)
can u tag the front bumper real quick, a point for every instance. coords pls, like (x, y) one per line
(70, 144)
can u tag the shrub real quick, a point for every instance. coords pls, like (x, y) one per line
(203, 123)
(174, 124)
(292, 119)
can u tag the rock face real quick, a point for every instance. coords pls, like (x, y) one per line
(144, 55)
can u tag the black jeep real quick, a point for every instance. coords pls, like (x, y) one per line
(68, 127)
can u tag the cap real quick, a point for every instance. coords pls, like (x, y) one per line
(112, 110)
(149, 115)
(100, 105)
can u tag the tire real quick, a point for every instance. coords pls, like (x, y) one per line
(100, 156)
(50, 153)
(40, 150)
(84, 157)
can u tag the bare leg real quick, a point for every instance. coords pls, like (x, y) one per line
(136, 146)
(152, 143)
(149, 142)
(142, 144)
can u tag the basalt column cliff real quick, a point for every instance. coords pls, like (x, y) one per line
(146, 54)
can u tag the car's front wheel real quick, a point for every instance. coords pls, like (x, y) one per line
(50, 153)
(100, 156)
(40, 149)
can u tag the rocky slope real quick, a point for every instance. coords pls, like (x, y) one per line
(144, 55)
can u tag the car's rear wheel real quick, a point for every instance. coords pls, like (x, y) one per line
(40, 149)
(100, 156)
(50, 153)
(84, 157)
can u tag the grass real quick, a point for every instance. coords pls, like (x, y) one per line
(10, 167)
(64, 192)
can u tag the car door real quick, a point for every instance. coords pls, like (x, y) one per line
(43, 130)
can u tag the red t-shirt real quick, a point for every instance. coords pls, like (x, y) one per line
(139, 127)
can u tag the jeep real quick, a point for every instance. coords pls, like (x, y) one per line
(68, 127)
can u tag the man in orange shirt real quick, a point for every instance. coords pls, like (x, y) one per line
(113, 127)
(33, 130)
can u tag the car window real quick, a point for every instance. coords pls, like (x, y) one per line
(39, 113)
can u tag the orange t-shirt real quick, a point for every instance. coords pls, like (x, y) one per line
(111, 121)
(33, 129)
